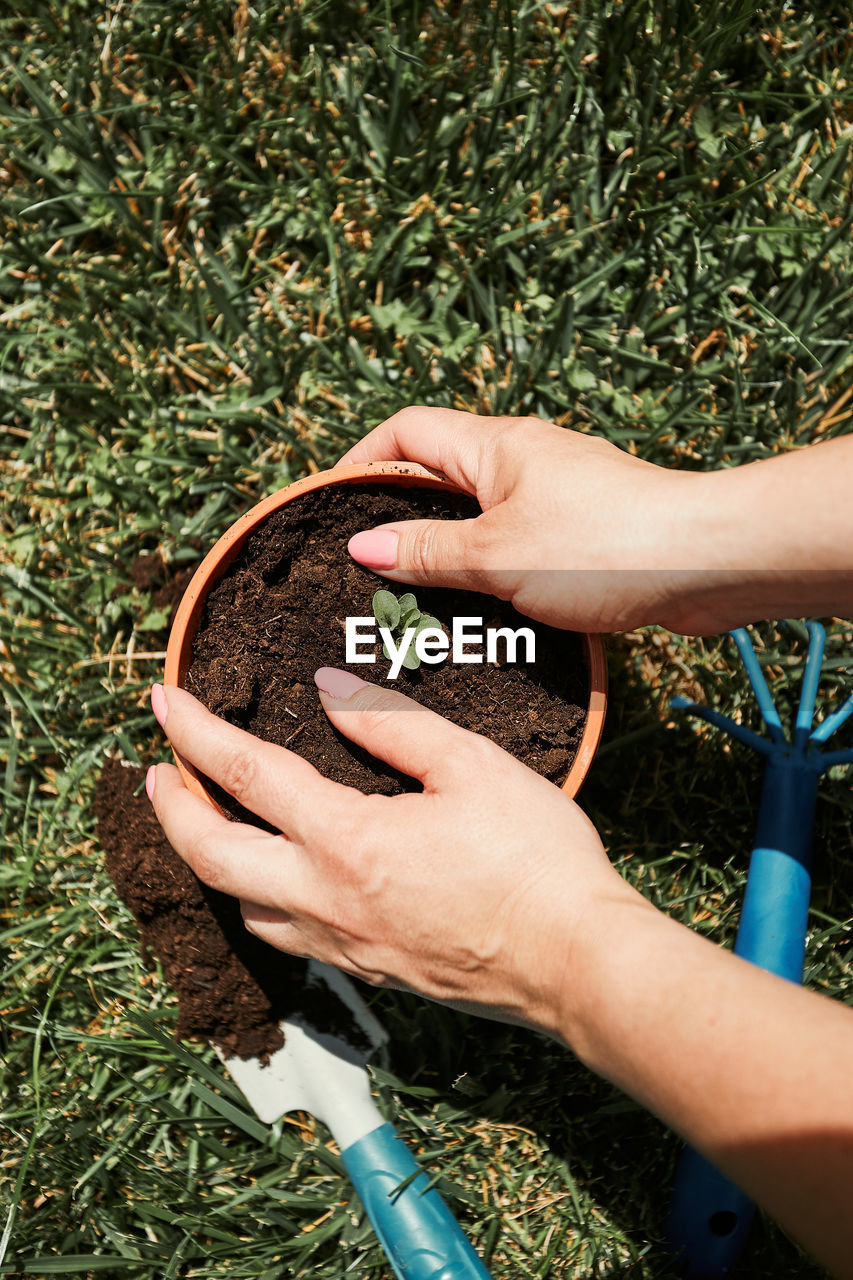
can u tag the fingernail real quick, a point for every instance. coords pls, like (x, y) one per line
(375, 548)
(158, 704)
(149, 782)
(337, 683)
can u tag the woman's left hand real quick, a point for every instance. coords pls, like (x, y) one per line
(482, 890)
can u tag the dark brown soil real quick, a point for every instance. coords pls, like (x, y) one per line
(278, 614)
(232, 988)
(150, 586)
(152, 573)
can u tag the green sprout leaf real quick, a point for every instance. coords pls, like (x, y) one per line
(400, 616)
(386, 609)
(411, 661)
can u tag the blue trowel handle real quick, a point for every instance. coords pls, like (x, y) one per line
(418, 1232)
(709, 1217)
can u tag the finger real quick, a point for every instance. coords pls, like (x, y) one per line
(266, 779)
(233, 857)
(449, 553)
(395, 729)
(459, 444)
(277, 929)
(274, 926)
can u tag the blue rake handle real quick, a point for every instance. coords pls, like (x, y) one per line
(421, 1237)
(710, 1216)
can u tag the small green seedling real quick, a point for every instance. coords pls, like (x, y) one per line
(400, 616)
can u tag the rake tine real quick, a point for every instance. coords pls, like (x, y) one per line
(738, 731)
(811, 676)
(831, 758)
(834, 721)
(759, 684)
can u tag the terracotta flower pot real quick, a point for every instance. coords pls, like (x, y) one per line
(409, 475)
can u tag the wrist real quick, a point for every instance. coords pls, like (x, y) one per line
(765, 540)
(592, 977)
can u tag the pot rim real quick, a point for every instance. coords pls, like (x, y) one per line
(228, 546)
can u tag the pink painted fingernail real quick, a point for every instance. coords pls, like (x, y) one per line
(158, 704)
(149, 782)
(337, 683)
(375, 548)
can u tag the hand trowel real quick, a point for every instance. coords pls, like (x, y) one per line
(324, 1073)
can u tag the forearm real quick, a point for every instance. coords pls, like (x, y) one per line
(751, 1070)
(774, 538)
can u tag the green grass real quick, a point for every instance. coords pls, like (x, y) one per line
(234, 238)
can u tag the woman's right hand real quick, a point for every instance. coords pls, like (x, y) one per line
(580, 534)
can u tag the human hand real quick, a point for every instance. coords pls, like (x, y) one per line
(580, 534)
(480, 891)
(574, 531)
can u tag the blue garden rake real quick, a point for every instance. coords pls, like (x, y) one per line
(710, 1217)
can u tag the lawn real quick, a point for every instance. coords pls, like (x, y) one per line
(233, 238)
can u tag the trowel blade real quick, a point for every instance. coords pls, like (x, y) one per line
(315, 1070)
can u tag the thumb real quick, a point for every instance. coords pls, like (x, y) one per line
(447, 553)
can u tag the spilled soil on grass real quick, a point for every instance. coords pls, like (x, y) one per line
(232, 988)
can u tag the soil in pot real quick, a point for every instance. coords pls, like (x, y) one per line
(279, 613)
